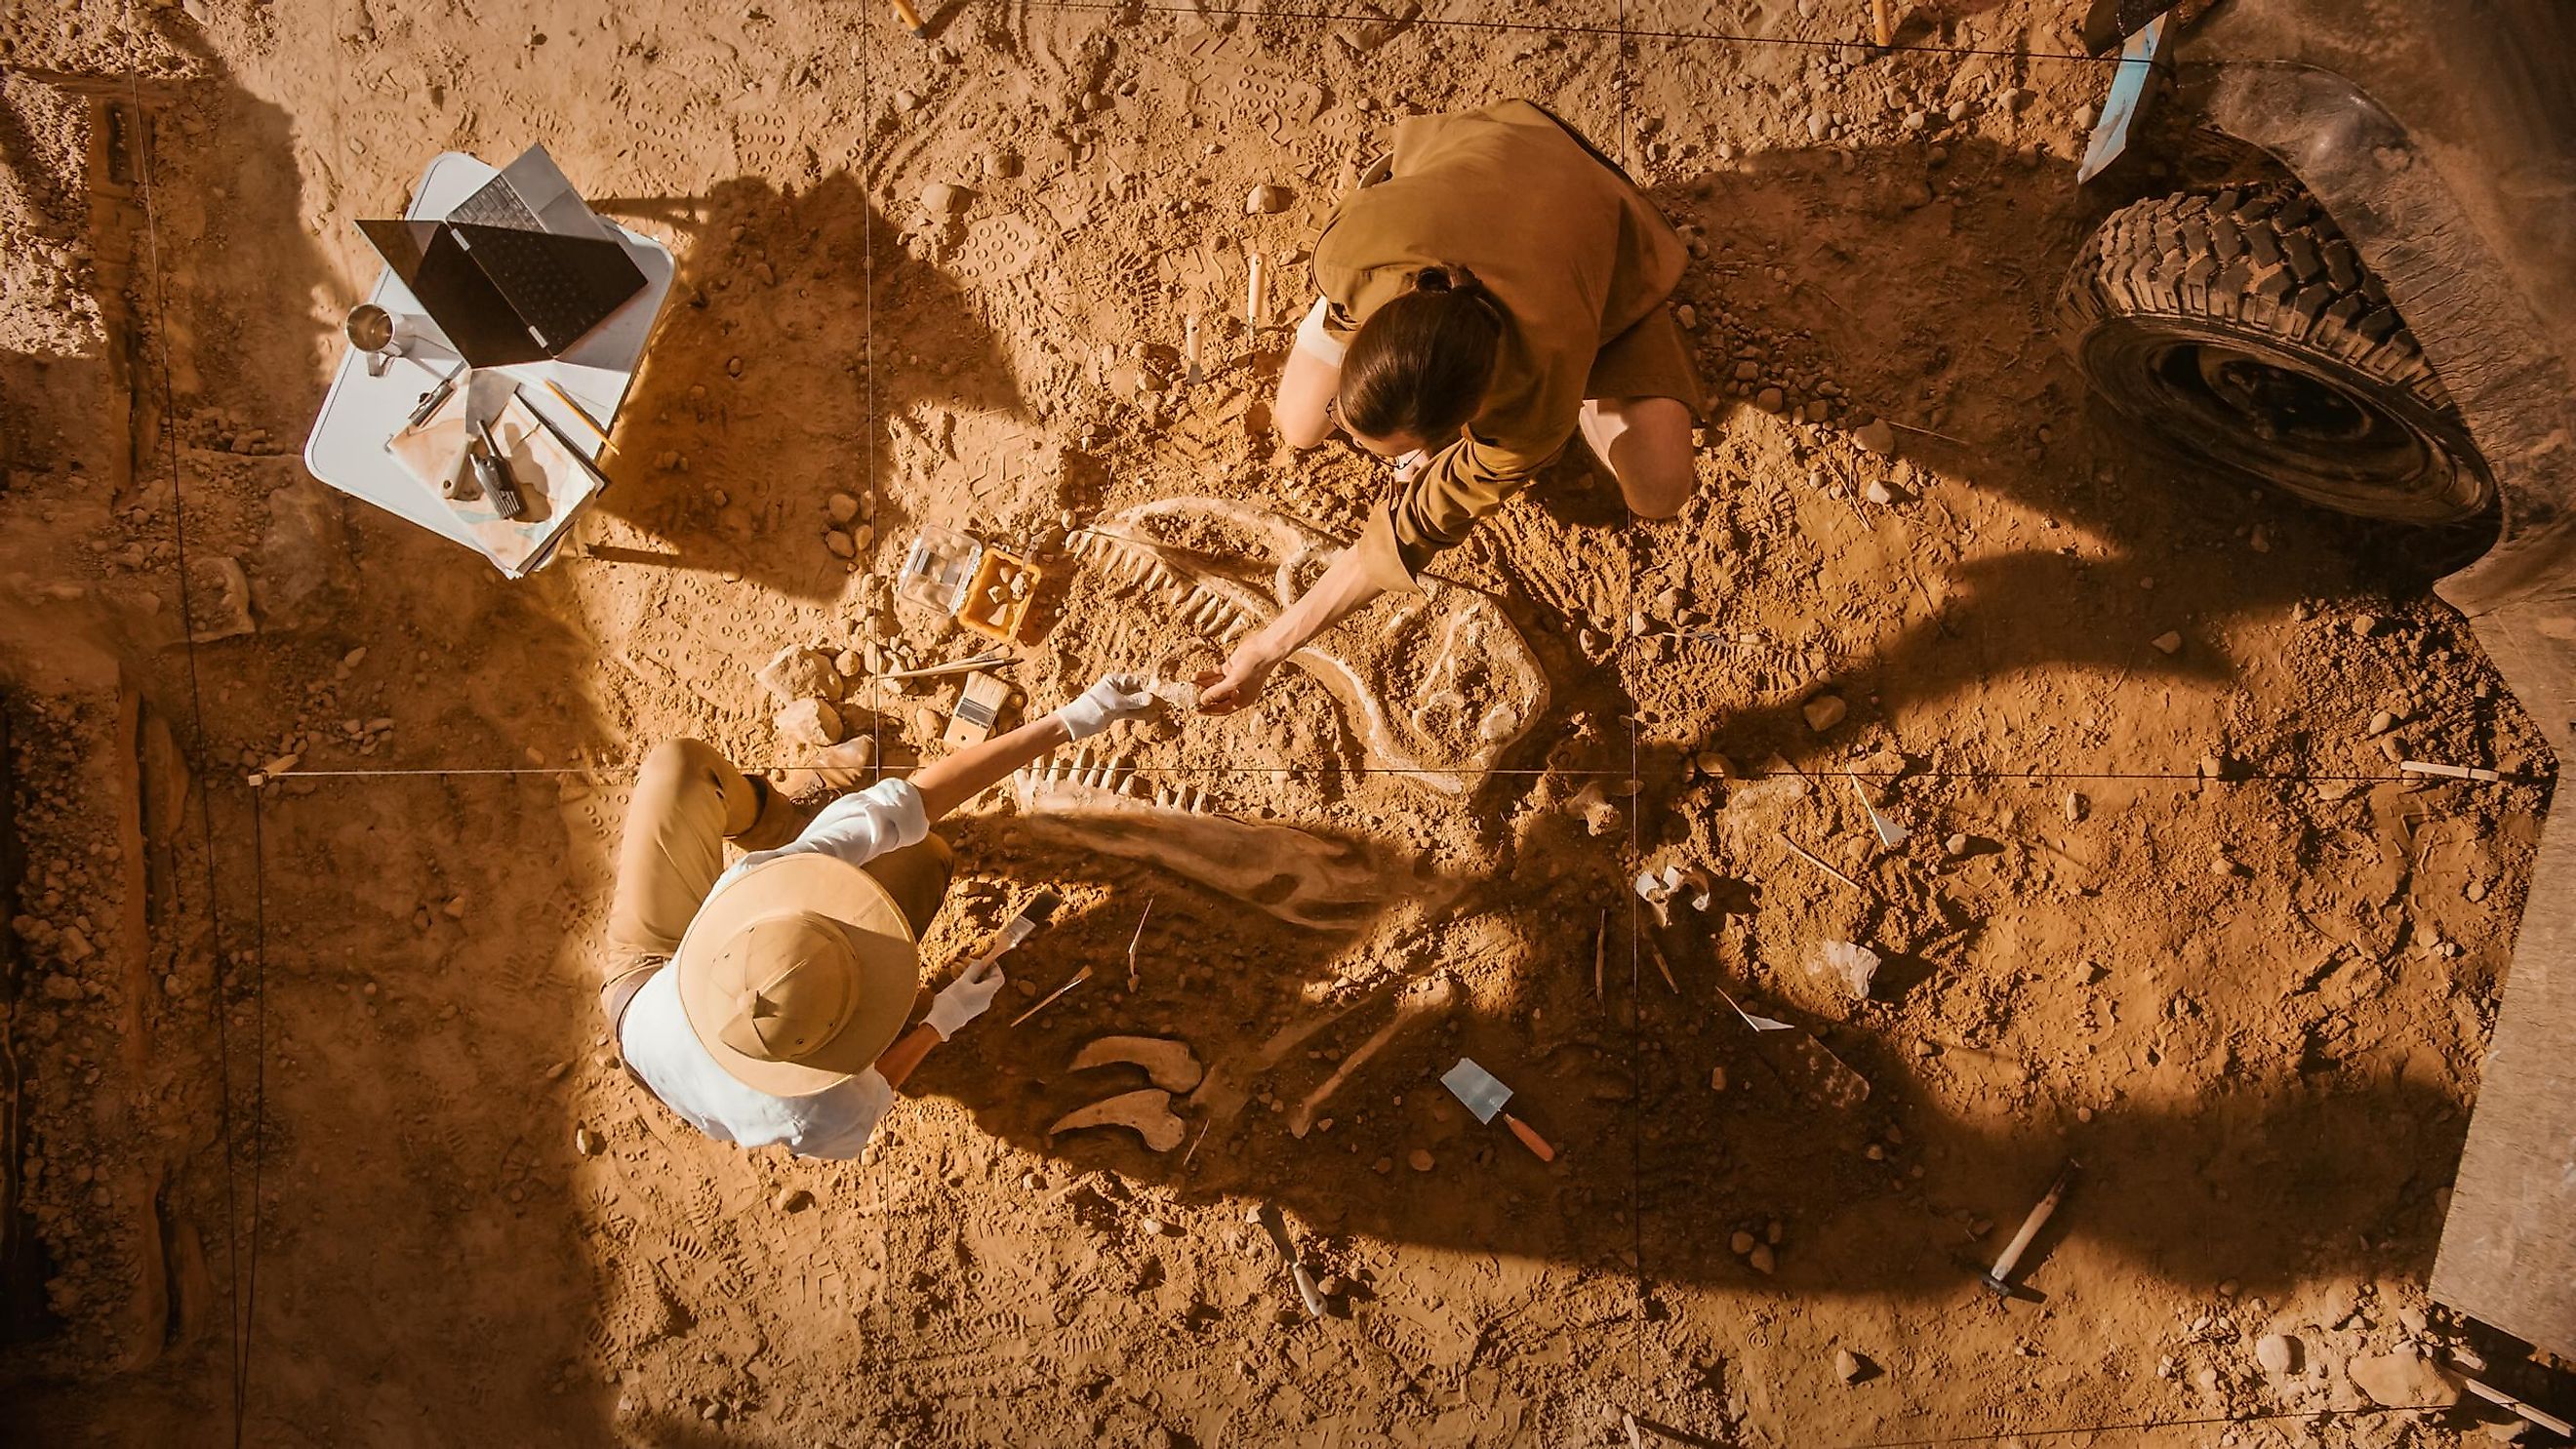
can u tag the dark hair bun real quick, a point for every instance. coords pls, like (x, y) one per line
(1446, 279)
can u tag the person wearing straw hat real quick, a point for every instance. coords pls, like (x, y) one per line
(763, 1003)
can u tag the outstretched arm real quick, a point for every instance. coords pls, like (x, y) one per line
(948, 783)
(1344, 587)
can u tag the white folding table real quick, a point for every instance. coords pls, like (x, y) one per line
(346, 448)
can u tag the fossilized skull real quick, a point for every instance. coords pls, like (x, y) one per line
(1429, 694)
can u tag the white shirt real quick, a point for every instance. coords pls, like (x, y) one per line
(659, 1045)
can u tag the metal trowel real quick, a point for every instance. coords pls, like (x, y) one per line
(1484, 1094)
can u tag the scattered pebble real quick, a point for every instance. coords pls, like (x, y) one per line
(1265, 200)
(1419, 1159)
(2278, 1353)
(1875, 437)
(792, 1200)
(2168, 642)
(1824, 712)
(1849, 1366)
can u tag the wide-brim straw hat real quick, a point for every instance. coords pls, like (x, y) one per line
(803, 946)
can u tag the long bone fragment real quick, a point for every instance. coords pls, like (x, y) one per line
(1412, 1004)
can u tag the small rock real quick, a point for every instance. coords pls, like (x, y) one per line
(1879, 493)
(796, 672)
(1688, 316)
(848, 664)
(841, 507)
(839, 543)
(1770, 400)
(2403, 1380)
(809, 722)
(1265, 200)
(1742, 1242)
(587, 1142)
(1762, 1259)
(792, 1200)
(1849, 1366)
(2076, 806)
(2168, 642)
(1419, 1159)
(2381, 723)
(1956, 845)
(941, 199)
(1824, 712)
(1717, 1079)
(2278, 1353)
(1875, 437)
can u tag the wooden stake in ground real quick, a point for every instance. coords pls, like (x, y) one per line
(1661, 965)
(1136, 941)
(1600, 951)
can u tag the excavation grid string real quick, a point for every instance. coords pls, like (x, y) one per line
(1633, 772)
(240, 1302)
(1619, 30)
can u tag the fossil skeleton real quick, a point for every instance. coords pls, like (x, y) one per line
(1480, 684)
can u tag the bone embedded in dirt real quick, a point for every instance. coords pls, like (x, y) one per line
(1850, 965)
(1169, 1064)
(1147, 1113)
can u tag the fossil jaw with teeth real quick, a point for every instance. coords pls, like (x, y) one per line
(1100, 803)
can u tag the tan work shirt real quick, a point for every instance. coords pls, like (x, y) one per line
(1572, 251)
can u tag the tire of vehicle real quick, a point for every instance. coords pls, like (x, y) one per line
(2240, 327)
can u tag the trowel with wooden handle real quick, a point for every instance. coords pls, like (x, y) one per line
(1484, 1094)
(1268, 1217)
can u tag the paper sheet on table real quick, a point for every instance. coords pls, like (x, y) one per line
(554, 479)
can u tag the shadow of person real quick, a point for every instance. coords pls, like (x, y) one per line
(1653, 1171)
(374, 1040)
(807, 351)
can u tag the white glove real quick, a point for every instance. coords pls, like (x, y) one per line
(1115, 697)
(964, 1000)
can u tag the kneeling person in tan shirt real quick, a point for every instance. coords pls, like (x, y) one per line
(762, 1003)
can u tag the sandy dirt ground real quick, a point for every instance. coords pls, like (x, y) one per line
(314, 1120)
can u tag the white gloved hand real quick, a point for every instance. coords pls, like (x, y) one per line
(1115, 697)
(965, 999)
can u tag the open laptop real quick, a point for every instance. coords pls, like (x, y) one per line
(517, 272)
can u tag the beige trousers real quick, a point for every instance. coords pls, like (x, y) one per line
(689, 800)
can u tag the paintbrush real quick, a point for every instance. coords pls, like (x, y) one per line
(1032, 919)
(1048, 1000)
